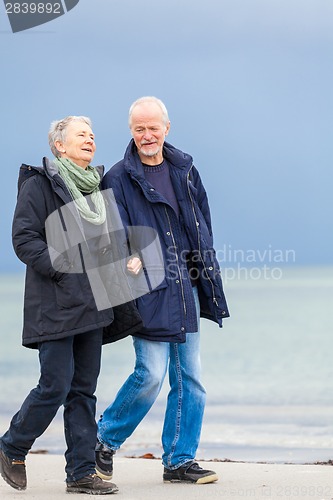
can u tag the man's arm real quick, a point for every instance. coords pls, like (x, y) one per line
(134, 265)
(202, 199)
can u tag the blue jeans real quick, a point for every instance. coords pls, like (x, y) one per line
(69, 371)
(186, 399)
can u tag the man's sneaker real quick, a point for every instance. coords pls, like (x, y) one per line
(104, 461)
(13, 471)
(189, 473)
(92, 484)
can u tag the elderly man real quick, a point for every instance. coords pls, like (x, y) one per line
(156, 185)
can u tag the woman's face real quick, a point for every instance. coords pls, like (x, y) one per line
(79, 145)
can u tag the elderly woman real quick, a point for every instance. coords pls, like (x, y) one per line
(61, 318)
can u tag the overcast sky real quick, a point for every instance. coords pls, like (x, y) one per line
(249, 89)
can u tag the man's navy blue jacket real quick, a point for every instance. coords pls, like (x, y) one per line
(168, 312)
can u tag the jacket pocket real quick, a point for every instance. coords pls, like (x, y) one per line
(154, 309)
(68, 291)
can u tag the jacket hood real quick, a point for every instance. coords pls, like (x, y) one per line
(49, 169)
(176, 157)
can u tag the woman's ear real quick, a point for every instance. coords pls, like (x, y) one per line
(59, 147)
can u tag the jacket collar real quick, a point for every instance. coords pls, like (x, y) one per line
(51, 170)
(57, 183)
(175, 157)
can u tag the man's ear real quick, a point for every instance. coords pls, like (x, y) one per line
(167, 128)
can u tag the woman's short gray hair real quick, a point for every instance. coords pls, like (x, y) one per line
(145, 99)
(58, 128)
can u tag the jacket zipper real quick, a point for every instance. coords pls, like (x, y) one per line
(179, 273)
(198, 236)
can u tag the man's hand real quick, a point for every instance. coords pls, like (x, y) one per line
(134, 265)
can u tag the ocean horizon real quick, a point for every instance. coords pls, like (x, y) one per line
(268, 371)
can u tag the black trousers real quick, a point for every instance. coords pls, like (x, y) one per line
(69, 371)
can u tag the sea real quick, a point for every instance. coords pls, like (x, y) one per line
(268, 372)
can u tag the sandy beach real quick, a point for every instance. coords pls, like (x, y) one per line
(141, 479)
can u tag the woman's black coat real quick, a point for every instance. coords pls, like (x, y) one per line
(57, 303)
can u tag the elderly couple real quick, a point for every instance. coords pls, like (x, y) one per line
(155, 185)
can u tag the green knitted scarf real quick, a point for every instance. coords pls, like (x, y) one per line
(79, 180)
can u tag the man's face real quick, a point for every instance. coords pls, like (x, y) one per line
(79, 145)
(149, 132)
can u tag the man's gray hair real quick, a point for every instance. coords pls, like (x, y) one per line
(145, 99)
(58, 128)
